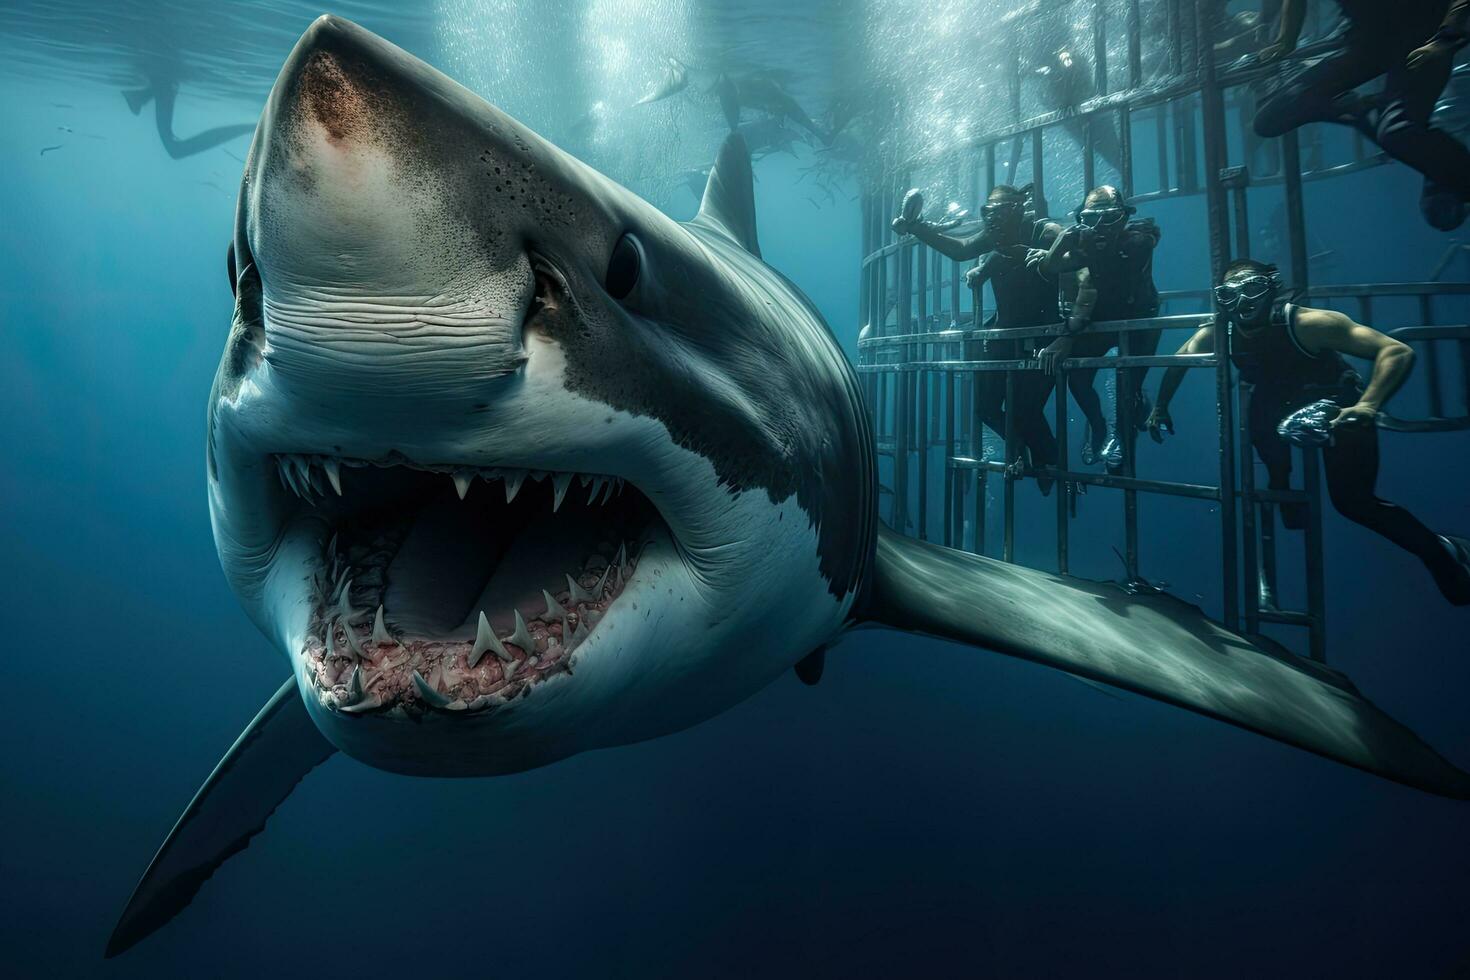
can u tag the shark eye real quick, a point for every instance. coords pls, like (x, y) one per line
(230, 267)
(624, 266)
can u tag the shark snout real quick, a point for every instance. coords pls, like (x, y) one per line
(362, 207)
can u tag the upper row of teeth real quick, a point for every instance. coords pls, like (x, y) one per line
(310, 477)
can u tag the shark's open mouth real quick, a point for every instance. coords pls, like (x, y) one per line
(456, 590)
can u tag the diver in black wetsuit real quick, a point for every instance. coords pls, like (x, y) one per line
(1291, 356)
(1383, 38)
(1023, 298)
(1112, 260)
(162, 90)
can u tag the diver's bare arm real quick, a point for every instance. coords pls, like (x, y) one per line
(959, 249)
(1293, 16)
(1318, 330)
(1203, 342)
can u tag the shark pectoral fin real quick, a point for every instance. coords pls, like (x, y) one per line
(1157, 646)
(138, 98)
(728, 206)
(259, 771)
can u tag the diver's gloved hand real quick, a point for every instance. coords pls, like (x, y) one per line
(972, 277)
(1158, 423)
(910, 213)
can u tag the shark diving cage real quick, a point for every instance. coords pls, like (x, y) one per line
(921, 325)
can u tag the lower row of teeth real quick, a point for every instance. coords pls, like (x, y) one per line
(360, 665)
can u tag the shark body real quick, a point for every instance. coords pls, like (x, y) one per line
(508, 466)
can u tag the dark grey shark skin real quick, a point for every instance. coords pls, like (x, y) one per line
(713, 358)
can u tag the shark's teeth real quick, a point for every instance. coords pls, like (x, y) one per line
(578, 594)
(353, 642)
(313, 477)
(380, 629)
(428, 694)
(522, 636)
(485, 639)
(371, 703)
(334, 474)
(560, 482)
(513, 482)
(554, 610)
(579, 634)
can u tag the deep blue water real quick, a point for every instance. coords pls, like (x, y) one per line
(926, 810)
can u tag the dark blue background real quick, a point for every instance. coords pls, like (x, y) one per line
(928, 809)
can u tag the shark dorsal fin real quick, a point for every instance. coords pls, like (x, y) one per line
(729, 197)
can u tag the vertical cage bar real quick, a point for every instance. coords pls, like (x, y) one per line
(1135, 45)
(1316, 595)
(1038, 175)
(1252, 595)
(1213, 119)
(1089, 155)
(948, 519)
(1296, 216)
(1012, 450)
(1063, 489)
(1125, 146)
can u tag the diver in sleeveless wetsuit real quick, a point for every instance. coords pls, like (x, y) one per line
(1388, 39)
(1291, 356)
(1110, 261)
(1023, 298)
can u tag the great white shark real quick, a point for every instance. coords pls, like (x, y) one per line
(508, 465)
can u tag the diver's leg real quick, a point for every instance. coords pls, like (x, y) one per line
(1351, 465)
(1311, 96)
(1032, 391)
(990, 389)
(1084, 393)
(1275, 455)
(1405, 133)
(1142, 343)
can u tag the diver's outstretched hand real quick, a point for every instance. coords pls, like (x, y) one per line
(1159, 421)
(910, 213)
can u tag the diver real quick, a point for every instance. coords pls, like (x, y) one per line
(1292, 356)
(1381, 39)
(1109, 261)
(1023, 298)
(162, 90)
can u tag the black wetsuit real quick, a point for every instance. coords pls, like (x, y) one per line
(1023, 298)
(1284, 377)
(1377, 42)
(1123, 276)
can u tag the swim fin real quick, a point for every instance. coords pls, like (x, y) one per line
(138, 98)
